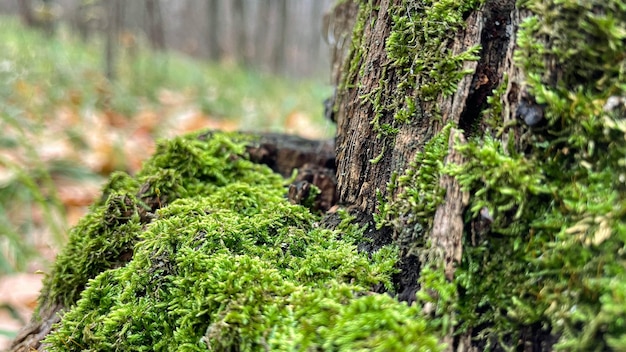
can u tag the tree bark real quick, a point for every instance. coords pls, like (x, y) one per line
(279, 58)
(114, 23)
(357, 142)
(241, 32)
(366, 162)
(213, 35)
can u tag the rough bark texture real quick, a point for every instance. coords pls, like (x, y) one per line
(357, 143)
(494, 27)
(283, 153)
(447, 232)
(29, 338)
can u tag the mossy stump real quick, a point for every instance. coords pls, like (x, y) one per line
(481, 143)
(202, 251)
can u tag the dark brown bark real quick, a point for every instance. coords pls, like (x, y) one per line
(357, 142)
(284, 153)
(29, 338)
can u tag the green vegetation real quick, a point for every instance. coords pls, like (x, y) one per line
(227, 264)
(559, 208)
(553, 259)
(420, 191)
(56, 70)
(418, 52)
(221, 261)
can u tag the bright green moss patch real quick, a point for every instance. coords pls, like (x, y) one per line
(224, 262)
(183, 166)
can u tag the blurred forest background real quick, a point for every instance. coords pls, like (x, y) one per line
(88, 86)
(277, 36)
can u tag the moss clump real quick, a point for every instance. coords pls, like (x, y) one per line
(105, 238)
(419, 55)
(552, 259)
(554, 256)
(224, 263)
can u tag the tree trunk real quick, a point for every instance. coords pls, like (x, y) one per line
(280, 53)
(43, 17)
(113, 27)
(155, 25)
(214, 31)
(393, 100)
(241, 32)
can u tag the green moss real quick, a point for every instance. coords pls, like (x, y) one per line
(554, 255)
(420, 57)
(183, 166)
(225, 263)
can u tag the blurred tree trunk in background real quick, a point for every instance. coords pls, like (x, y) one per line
(155, 24)
(336, 29)
(261, 30)
(280, 52)
(43, 17)
(240, 37)
(26, 12)
(213, 38)
(113, 24)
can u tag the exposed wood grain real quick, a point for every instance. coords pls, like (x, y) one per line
(447, 233)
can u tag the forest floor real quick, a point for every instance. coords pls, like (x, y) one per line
(65, 128)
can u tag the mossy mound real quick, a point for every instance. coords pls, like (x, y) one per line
(221, 261)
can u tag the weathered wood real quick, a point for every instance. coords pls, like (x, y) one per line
(284, 153)
(357, 142)
(29, 338)
(447, 233)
